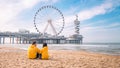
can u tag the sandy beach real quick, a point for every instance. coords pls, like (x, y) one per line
(17, 58)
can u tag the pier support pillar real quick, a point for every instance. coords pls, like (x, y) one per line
(0, 40)
(13, 40)
(10, 40)
(81, 41)
(3, 40)
(17, 40)
(20, 41)
(25, 41)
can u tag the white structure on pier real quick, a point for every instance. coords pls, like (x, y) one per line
(77, 25)
(24, 31)
(76, 38)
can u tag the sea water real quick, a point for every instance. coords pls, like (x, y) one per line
(104, 48)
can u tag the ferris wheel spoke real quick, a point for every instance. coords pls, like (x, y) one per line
(46, 14)
(38, 19)
(43, 14)
(58, 23)
(42, 17)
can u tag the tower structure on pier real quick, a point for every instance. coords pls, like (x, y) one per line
(76, 38)
(77, 25)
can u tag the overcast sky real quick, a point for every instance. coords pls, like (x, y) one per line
(99, 19)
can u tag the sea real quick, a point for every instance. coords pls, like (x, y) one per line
(102, 48)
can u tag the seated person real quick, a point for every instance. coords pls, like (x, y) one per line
(33, 51)
(44, 52)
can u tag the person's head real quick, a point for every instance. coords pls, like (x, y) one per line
(34, 43)
(44, 44)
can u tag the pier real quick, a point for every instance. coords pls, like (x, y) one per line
(27, 38)
(19, 38)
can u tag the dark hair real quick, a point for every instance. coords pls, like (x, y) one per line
(34, 43)
(44, 44)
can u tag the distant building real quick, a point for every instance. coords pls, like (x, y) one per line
(24, 31)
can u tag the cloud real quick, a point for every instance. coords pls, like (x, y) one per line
(9, 11)
(111, 26)
(87, 14)
(101, 35)
(90, 13)
(107, 6)
(104, 33)
(98, 10)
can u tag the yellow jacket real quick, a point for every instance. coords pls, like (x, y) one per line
(32, 51)
(44, 52)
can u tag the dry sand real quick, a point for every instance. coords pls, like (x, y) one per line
(17, 58)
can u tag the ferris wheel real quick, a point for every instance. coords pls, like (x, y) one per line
(49, 20)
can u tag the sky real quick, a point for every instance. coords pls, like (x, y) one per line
(99, 19)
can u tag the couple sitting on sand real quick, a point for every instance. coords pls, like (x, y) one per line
(34, 52)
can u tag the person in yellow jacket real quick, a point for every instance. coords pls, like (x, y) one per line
(33, 52)
(44, 52)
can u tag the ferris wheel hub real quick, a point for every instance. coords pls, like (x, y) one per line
(49, 20)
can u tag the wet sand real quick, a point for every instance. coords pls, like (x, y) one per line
(17, 58)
